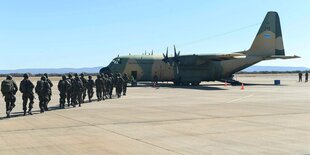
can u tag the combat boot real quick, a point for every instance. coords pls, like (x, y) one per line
(29, 112)
(25, 112)
(8, 114)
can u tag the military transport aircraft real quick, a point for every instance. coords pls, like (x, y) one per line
(192, 69)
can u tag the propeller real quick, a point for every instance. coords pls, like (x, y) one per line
(176, 57)
(174, 60)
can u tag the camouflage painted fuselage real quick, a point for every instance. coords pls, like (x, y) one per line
(191, 70)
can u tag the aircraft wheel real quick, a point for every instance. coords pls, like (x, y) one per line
(195, 83)
(185, 83)
(176, 83)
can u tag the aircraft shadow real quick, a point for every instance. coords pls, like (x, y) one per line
(204, 86)
(170, 85)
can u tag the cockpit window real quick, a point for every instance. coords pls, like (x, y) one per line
(116, 61)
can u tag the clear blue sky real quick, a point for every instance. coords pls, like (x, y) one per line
(80, 33)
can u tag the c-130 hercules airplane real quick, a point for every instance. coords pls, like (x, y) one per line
(193, 69)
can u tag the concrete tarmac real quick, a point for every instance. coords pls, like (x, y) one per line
(209, 119)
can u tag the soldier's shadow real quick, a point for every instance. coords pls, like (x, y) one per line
(52, 108)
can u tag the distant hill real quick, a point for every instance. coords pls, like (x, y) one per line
(96, 70)
(274, 68)
(53, 70)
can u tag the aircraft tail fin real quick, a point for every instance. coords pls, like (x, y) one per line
(268, 41)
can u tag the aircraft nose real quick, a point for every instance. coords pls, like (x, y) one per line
(105, 70)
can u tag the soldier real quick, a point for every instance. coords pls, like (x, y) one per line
(300, 76)
(77, 90)
(69, 89)
(119, 82)
(90, 88)
(26, 88)
(111, 85)
(307, 76)
(103, 83)
(51, 85)
(155, 80)
(84, 86)
(9, 89)
(126, 80)
(107, 85)
(43, 89)
(63, 89)
(98, 88)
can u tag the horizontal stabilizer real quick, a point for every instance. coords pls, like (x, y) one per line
(283, 57)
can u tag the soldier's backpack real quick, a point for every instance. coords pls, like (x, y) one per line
(46, 88)
(26, 86)
(62, 85)
(69, 84)
(39, 87)
(77, 85)
(7, 86)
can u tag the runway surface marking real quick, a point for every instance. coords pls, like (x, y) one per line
(239, 99)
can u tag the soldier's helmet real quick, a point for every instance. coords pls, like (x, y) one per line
(70, 75)
(45, 74)
(26, 76)
(43, 78)
(82, 74)
(76, 75)
(90, 77)
(63, 77)
(9, 77)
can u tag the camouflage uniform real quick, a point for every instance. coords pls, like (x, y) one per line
(107, 82)
(98, 84)
(126, 80)
(51, 85)
(119, 82)
(9, 95)
(306, 77)
(43, 89)
(69, 90)
(103, 83)
(84, 87)
(111, 85)
(77, 90)
(300, 76)
(90, 88)
(26, 88)
(63, 89)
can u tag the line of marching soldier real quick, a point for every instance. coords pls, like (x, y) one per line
(74, 90)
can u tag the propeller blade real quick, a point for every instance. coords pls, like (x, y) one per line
(175, 50)
(166, 58)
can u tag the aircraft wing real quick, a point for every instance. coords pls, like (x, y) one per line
(213, 57)
(202, 59)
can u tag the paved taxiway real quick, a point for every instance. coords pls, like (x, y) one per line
(212, 119)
